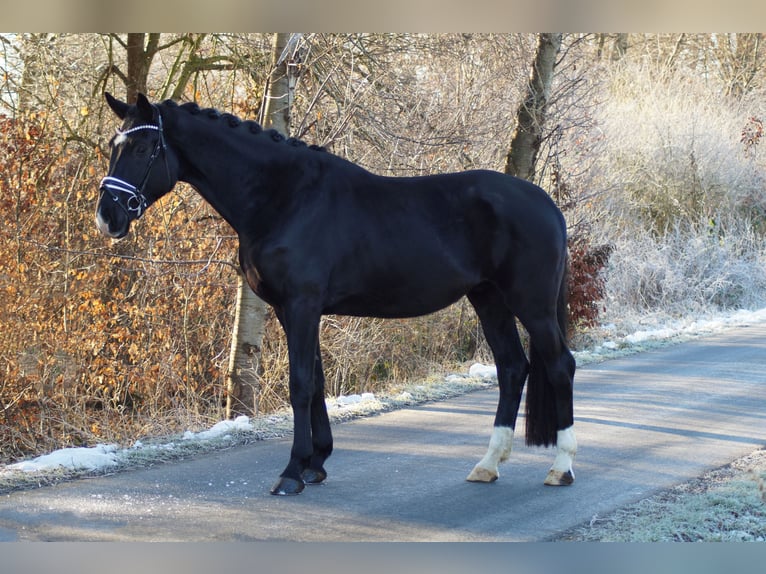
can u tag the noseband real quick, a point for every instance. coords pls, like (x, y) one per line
(129, 197)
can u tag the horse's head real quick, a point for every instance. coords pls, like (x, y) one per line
(141, 169)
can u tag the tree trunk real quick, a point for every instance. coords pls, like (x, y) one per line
(242, 379)
(530, 117)
(250, 319)
(140, 56)
(34, 48)
(278, 97)
(620, 47)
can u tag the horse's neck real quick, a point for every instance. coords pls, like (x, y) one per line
(219, 168)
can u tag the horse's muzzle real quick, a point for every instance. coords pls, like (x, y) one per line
(116, 228)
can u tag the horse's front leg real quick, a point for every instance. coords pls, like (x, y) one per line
(302, 331)
(321, 434)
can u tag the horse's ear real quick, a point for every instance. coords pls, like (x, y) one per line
(118, 107)
(145, 108)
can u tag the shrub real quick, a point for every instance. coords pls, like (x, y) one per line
(688, 268)
(98, 343)
(587, 280)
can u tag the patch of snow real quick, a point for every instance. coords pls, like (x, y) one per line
(483, 371)
(650, 335)
(80, 458)
(221, 429)
(344, 401)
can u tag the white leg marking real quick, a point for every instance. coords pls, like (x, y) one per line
(561, 472)
(500, 445)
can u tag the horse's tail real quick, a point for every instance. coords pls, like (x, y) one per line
(541, 416)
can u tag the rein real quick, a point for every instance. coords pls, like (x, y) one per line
(129, 197)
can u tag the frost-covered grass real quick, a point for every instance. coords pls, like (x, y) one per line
(634, 332)
(725, 505)
(687, 269)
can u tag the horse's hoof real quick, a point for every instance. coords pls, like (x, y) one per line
(313, 476)
(287, 487)
(481, 474)
(559, 478)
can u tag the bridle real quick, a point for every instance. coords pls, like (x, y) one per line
(129, 197)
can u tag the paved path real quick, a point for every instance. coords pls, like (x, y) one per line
(644, 423)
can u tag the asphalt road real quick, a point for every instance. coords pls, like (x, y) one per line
(643, 424)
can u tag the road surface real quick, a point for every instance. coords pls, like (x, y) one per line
(643, 424)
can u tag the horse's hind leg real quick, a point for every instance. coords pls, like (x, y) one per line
(550, 415)
(499, 327)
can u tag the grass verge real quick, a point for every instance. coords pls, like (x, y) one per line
(724, 505)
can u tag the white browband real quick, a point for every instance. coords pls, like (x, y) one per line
(122, 134)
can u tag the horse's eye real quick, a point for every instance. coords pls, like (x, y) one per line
(141, 149)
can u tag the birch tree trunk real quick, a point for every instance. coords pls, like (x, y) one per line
(250, 318)
(530, 118)
(242, 380)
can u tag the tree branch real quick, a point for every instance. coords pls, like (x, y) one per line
(205, 262)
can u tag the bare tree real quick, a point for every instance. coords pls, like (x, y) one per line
(136, 54)
(740, 57)
(250, 316)
(140, 55)
(530, 118)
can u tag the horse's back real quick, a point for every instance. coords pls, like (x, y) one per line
(482, 194)
(409, 246)
(497, 214)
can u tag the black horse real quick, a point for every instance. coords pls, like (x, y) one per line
(319, 234)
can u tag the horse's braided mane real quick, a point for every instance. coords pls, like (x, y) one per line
(234, 122)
